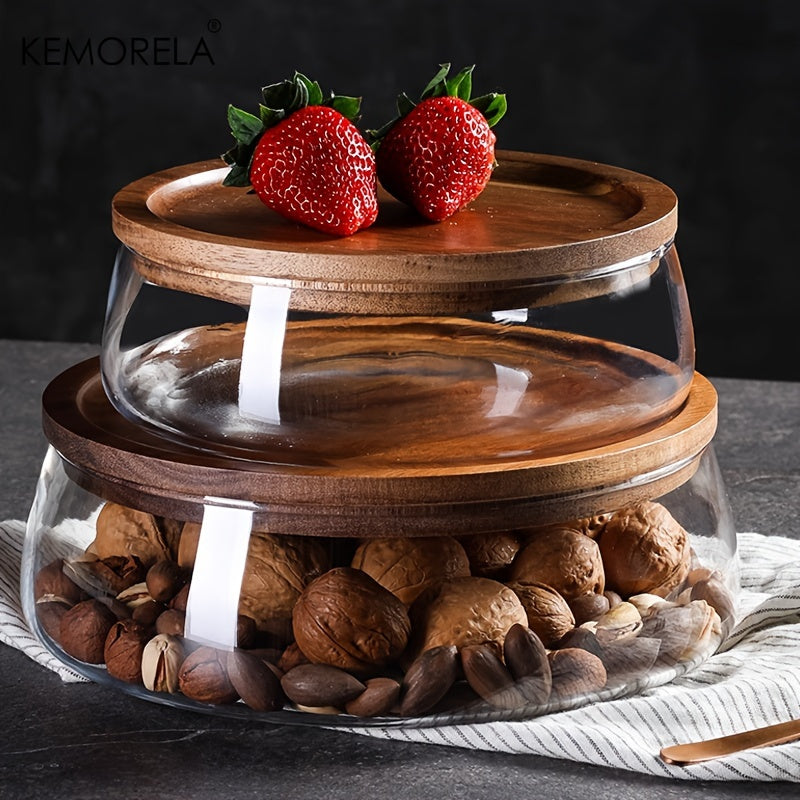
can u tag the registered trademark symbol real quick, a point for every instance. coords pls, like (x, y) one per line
(214, 25)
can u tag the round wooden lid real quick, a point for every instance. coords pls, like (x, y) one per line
(543, 222)
(121, 461)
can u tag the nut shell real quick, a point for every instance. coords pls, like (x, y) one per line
(549, 615)
(203, 676)
(83, 630)
(346, 619)
(161, 663)
(277, 570)
(491, 554)
(51, 580)
(124, 531)
(123, 650)
(645, 550)
(562, 558)
(406, 566)
(464, 611)
(576, 672)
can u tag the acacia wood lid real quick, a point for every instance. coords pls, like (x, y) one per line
(541, 222)
(121, 461)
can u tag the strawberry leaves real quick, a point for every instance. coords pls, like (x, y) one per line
(278, 101)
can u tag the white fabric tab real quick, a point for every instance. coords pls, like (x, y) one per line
(213, 604)
(260, 373)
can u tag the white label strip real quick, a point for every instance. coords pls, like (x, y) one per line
(213, 605)
(260, 373)
(510, 387)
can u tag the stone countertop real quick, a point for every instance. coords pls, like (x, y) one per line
(83, 740)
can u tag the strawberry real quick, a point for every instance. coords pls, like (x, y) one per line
(438, 154)
(305, 158)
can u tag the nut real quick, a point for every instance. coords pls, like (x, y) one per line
(124, 531)
(83, 630)
(203, 676)
(164, 580)
(135, 596)
(104, 577)
(582, 638)
(628, 660)
(526, 659)
(489, 677)
(428, 679)
(51, 581)
(463, 611)
(588, 607)
(277, 570)
(181, 600)
(171, 622)
(619, 624)
(379, 697)
(148, 612)
(123, 650)
(321, 685)
(549, 614)
(644, 550)
(292, 656)
(714, 592)
(346, 619)
(407, 566)
(576, 672)
(161, 661)
(49, 610)
(490, 554)
(562, 559)
(588, 526)
(254, 681)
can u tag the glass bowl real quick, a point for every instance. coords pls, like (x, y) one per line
(321, 595)
(551, 312)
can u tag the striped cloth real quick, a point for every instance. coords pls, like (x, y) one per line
(753, 680)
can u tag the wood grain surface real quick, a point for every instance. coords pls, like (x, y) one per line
(543, 221)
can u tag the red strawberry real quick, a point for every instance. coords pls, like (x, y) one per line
(438, 155)
(305, 158)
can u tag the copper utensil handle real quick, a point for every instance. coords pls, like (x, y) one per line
(682, 754)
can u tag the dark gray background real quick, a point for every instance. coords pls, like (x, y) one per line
(702, 95)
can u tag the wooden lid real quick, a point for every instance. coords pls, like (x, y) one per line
(542, 222)
(121, 461)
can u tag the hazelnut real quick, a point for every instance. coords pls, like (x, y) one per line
(407, 565)
(277, 570)
(203, 676)
(644, 550)
(51, 580)
(164, 580)
(346, 619)
(549, 615)
(49, 610)
(123, 650)
(181, 600)
(490, 554)
(563, 559)
(124, 531)
(171, 622)
(83, 630)
(576, 672)
(463, 611)
(161, 661)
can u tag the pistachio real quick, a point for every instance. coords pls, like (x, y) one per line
(428, 679)
(135, 595)
(161, 661)
(489, 677)
(321, 685)
(645, 603)
(618, 624)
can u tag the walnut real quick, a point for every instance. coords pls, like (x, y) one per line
(276, 572)
(406, 566)
(464, 611)
(346, 619)
(122, 531)
(562, 558)
(589, 526)
(644, 550)
(490, 554)
(549, 615)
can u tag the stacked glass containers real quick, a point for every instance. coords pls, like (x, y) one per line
(425, 473)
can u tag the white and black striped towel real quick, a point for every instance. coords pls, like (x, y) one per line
(753, 680)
